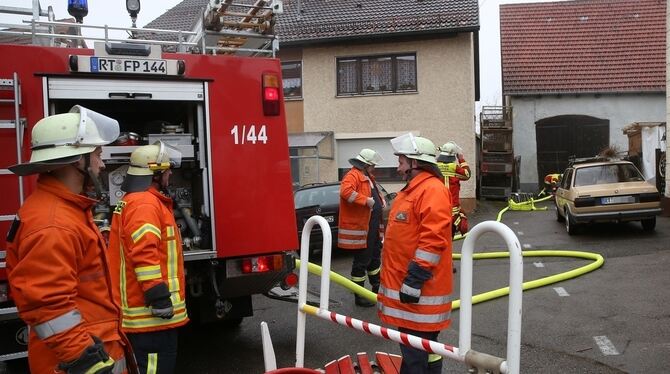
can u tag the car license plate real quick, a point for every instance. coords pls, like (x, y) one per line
(128, 65)
(329, 219)
(617, 200)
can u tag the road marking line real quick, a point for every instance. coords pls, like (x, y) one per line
(561, 291)
(527, 246)
(520, 233)
(516, 223)
(605, 345)
(538, 264)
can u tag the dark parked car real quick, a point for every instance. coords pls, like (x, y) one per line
(323, 199)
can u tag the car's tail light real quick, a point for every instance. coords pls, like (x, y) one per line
(584, 201)
(650, 197)
(271, 103)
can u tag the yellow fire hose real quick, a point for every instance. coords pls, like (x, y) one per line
(598, 261)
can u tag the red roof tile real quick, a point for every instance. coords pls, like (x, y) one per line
(598, 46)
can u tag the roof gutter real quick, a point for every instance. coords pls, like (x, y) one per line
(377, 36)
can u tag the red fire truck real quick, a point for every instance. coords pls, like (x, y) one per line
(233, 195)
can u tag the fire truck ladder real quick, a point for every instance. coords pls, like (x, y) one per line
(17, 124)
(226, 27)
(237, 28)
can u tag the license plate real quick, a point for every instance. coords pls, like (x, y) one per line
(128, 65)
(329, 219)
(617, 200)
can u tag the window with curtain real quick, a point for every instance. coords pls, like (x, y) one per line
(376, 74)
(292, 79)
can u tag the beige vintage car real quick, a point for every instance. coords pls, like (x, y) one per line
(605, 191)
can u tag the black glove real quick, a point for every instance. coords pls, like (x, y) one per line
(158, 298)
(409, 295)
(94, 360)
(410, 291)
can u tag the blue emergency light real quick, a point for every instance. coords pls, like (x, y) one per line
(78, 9)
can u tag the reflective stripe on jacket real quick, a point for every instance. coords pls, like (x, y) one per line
(145, 249)
(454, 173)
(354, 217)
(419, 230)
(60, 278)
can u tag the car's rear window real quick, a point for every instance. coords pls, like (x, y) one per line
(325, 195)
(604, 174)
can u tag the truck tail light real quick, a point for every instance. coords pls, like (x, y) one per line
(271, 101)
(290, 280)
(261, 264)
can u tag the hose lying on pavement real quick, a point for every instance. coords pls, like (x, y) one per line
(598, 261)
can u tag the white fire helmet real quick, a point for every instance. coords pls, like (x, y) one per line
(369, 157)
(146, 161)
(414, 147)
(451, 149)
(62, 139)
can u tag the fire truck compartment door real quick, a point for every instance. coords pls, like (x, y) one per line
(124, 89)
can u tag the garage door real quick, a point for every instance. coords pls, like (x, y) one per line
(561, 137)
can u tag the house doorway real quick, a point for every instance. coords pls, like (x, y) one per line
(561, 137)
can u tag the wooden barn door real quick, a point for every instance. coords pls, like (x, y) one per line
(558, 138)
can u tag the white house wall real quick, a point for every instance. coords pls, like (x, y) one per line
(442, 110)
(620, 110)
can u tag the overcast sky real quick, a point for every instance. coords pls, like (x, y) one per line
(113, 13)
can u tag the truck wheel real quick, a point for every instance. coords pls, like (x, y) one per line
(570, 225)
(233, 323)
(649, 224)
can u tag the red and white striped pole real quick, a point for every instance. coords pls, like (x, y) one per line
(429, 346)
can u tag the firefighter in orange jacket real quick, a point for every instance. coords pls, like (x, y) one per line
(455, 170)
(146, 253)
(56, 258)
(416, 275)
(360, 221)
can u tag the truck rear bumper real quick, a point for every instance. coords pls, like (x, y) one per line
(236, 282)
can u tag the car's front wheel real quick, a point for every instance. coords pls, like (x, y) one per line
(570, 225)
(649, 224)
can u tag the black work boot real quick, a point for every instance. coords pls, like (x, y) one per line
(360, 300)
(374, 282)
